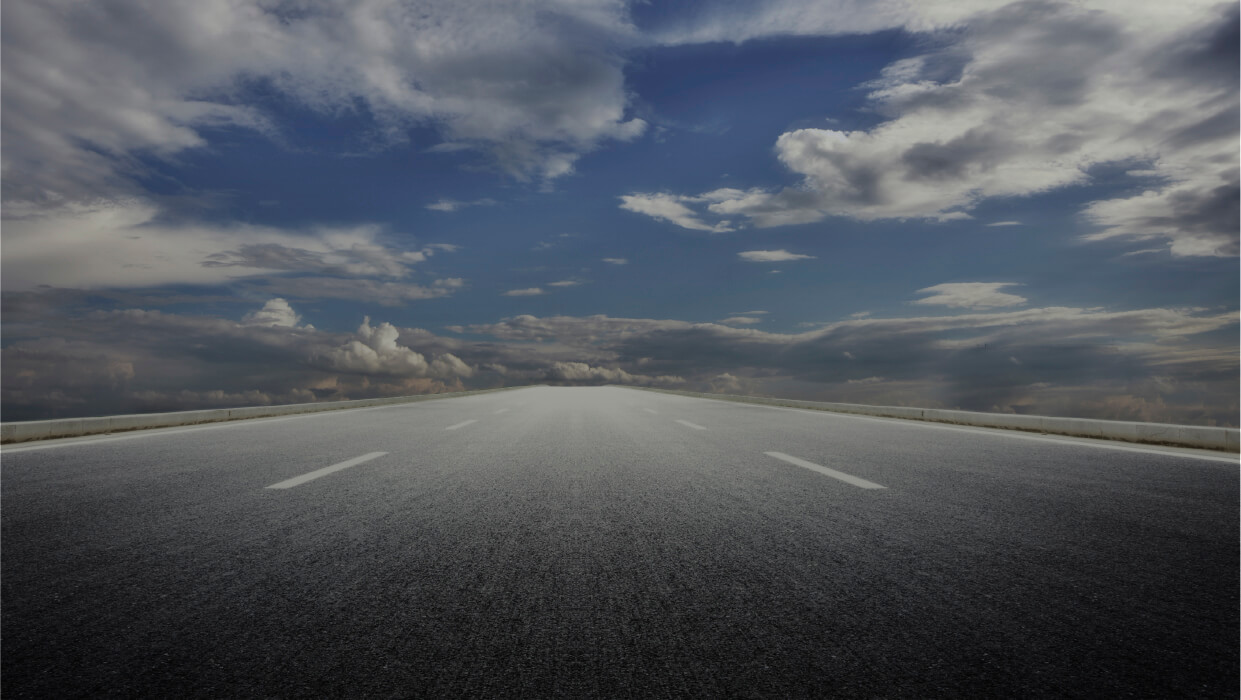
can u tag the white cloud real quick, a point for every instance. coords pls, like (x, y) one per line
(670, 208)
(726, 383)
(1021, 98)
(445, 205)
(564, 283)
(772, 256)
(738, 22)
(448, 366)
(451, 205)
(123, 243)
(1195, 216)
(740, 320)
(375, 350)
(970, 295)
(583, 372)
(615, 261)
(365, 290)
(276, 312)
(88, 86)
(1005, 223)
(528, 292)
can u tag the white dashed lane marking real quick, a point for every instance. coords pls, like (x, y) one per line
(826, 471)
(310, 476)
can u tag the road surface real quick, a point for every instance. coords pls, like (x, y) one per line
(609, 542)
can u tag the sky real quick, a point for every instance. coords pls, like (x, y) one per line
(1018, 207)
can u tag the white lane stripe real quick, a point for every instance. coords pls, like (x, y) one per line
(502, 410)
(1099, 443)
(691, 425)
(297, 480)
(826, 471)
(462, 424)
(651, 411)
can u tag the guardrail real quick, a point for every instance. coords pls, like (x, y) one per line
(1225, 439)
(24, 431)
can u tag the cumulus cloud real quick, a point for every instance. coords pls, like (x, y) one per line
(1020, 99)
(772, 256)
(615, 261)
(89, 87)
(970, 295)
(725, 383)
(580, 372)
(527, 292)
(375, 351)
(740, 320)
(275, 312)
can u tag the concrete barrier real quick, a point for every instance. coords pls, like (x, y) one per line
(1224, 439)
(25, 431)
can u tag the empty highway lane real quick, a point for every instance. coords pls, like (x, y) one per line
(609, 542)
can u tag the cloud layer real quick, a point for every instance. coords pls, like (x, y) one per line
(1020, 99)
(90, 86)
(970, 295)
(1156, 364)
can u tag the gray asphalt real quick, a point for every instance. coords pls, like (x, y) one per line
(581, 542)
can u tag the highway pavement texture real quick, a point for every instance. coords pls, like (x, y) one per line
(608, 542)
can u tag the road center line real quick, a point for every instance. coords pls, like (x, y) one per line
(502, 410)
(310, 476)
(462, 424)
(651, 411)
(691, 425)
(847, 478)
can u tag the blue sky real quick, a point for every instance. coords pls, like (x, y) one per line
(1023, 207)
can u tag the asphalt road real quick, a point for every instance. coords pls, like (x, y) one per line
(609, 542)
